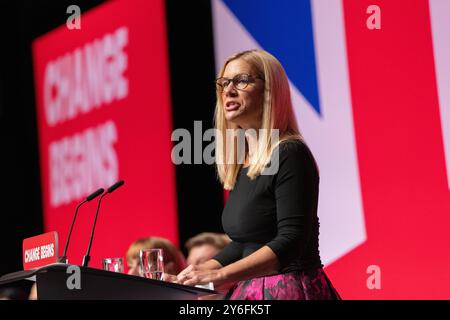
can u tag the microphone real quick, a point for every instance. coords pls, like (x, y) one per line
(90, 197)
(115, 186)
(111, 189)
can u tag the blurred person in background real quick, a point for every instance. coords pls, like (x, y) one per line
(174, 260)
(205, 246)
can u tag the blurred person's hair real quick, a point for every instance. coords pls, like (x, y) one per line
(217, 240)
(171, 254)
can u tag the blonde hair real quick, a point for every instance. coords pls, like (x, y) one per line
(217, 240)
(277, 113)
(170, 252)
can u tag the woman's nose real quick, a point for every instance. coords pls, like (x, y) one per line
(230, 91)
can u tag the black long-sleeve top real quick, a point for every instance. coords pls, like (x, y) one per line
(278, 210)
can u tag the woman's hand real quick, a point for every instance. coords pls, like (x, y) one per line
(169, 277)
(196, 274)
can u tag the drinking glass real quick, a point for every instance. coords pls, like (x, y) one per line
(113, 264)
(152, 263)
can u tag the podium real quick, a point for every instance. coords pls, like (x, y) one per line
(98, 284)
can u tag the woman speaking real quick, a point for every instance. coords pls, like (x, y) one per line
(271, 218)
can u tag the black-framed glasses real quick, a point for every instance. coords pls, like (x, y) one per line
(240, 81)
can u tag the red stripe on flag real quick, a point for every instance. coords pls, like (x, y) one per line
(400, 155)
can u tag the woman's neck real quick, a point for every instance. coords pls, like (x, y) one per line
(251, 145)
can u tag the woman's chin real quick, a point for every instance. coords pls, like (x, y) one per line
(232, 115)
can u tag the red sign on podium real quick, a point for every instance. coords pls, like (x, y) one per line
(40, 250)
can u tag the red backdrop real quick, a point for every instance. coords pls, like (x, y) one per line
(401, 156)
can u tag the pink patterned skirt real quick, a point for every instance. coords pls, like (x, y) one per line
(307, 285)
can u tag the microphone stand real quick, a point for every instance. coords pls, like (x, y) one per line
(87, 257)
(92, 196)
